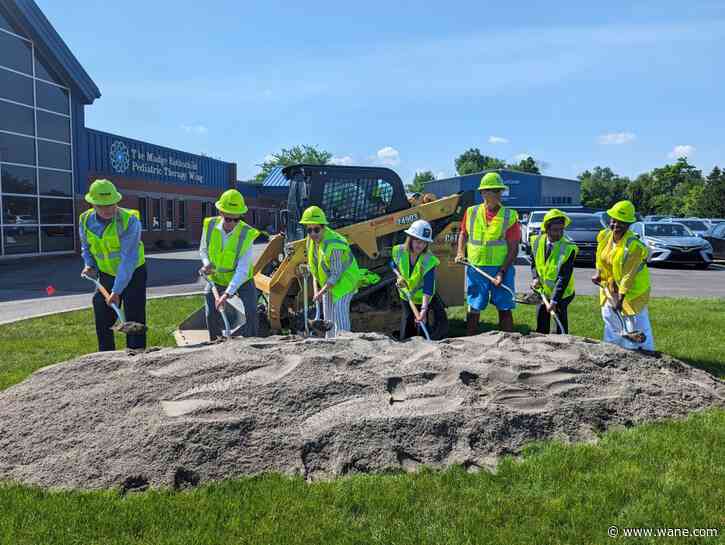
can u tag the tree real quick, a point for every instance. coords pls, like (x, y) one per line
(713, 198)
(526, 165)
(601, 187)
(472, 161)
(416, 186)
(304, 154)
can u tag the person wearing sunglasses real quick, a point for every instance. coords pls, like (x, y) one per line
(333, 266)
(227, 257)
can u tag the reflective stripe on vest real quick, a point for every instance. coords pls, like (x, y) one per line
(320, 266)
(560, 251)
(106, 249)
(641, 282)
(219, 254)
(416, 277)
(491, 251)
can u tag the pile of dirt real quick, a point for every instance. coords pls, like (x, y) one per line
(321, 408)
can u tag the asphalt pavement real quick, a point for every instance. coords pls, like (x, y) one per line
(24, 283)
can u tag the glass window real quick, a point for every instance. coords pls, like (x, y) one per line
(156, 214)
(16, 118)
(56, 211)
(57, 239)
(143, 211)
(15, 53)
(55, 127)
(169, 215)
(52, 97)
(20, 240)
(54, 155)
(16, 87)
(182, 215)
(17, 149)
(4, 23)
(20, 210)
(15, 179)
(584, 223)
(348, 201)
(56, 184)
(43, 72)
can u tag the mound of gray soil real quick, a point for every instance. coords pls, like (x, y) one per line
(360, 403)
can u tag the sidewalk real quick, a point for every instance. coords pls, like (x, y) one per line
(23, 283)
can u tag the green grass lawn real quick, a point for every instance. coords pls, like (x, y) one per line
(668, 474)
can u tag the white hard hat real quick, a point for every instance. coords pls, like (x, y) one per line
(421, 230)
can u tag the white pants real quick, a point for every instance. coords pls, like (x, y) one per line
(338, 313)
(613, 328)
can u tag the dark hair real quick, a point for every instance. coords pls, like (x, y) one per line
(561, 221)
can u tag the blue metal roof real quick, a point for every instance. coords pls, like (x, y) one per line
(51, 46)
(276, 178)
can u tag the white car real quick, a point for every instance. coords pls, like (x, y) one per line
(533, 226)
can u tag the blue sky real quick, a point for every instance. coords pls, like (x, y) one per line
(410, 85)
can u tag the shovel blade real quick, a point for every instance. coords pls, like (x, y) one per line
(635, 336)
(129, 327)
(320, 325)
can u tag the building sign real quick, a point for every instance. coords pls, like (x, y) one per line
(113, 155)
(127, 159)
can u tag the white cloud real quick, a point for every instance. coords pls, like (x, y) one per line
(683, 150)
(440, 175)
(195, 129)
(342, 160)
(617, 138)
(497, 140)
(388, 156)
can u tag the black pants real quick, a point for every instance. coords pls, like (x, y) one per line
(133, 302)
(543, 318)
(408, 327)
(247, 292)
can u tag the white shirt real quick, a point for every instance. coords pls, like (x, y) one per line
(245, 259)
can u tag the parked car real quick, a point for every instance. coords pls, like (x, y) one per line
(532, 226)
(716, 237)
(670, 242)
(583, 231)
(654, 218)
(696, 225)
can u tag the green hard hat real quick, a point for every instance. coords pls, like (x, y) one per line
(314, 216)
(491, 180)
(623, 211)
(231, 202)
(103, 193)
(554, 214)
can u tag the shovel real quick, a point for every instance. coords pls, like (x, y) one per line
(121, 325)
(636, 336)
(227, 332)
(553, 314)
(408, 298)
(318, 324)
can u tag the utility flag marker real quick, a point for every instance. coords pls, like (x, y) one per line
(50, 290)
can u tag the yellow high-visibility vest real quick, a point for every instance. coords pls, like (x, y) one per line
(106, 250)
(486, 244)
(225, 259)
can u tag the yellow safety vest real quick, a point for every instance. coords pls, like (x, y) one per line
(486, 244)
(106, 250)
(638, 294)
(414, 278)
(548, 269)
(319, 262)
(226, 259)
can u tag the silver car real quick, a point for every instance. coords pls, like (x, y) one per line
(670, 242)
(698, 226)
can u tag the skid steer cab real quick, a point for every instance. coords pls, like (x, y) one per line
(369, 206)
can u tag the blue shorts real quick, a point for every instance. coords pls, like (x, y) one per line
(480, 291)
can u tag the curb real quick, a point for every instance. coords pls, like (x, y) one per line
(83, 307)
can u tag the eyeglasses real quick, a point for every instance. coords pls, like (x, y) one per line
(313, 230)
(232, 220)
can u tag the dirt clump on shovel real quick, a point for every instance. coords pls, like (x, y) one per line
(322, 408)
